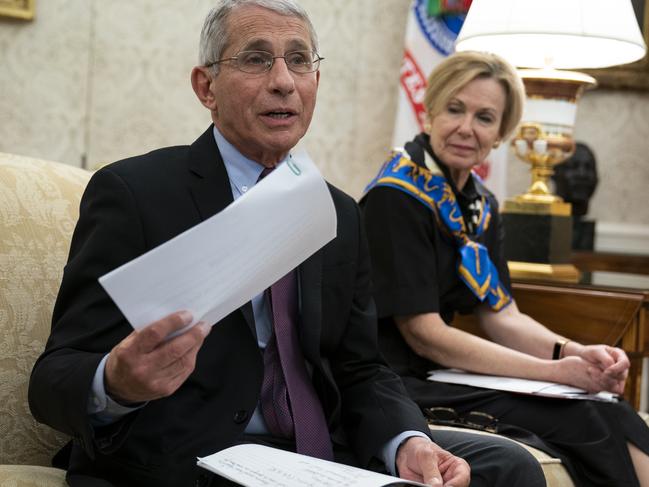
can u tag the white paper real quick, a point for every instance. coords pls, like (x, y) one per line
(220, 264)
(262, 466)
(513, 384)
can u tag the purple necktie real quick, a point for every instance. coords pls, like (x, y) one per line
(289, 401)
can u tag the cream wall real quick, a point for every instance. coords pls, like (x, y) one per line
(96, 80)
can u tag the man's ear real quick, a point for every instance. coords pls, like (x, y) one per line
(201, 82)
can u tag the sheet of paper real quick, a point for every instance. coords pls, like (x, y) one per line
(220, 264)
(512, 384)
(262, 466)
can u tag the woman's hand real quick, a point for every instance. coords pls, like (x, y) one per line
(596, 368)
(611, 361)
(577, 372)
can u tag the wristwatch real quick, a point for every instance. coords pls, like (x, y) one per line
(557, 351)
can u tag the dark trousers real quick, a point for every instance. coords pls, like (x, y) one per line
(589, 437)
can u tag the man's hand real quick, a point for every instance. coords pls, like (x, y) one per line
(145, 366)
(421, 460)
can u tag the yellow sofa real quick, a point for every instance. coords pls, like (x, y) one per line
(39, 203)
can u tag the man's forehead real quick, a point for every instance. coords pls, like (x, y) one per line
(266, 44)
(260, 28)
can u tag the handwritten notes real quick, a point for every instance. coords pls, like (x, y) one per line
(262, 466)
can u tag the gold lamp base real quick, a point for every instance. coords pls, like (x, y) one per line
(538, 225)
(545, 137)
(543, 272)
(537, 205)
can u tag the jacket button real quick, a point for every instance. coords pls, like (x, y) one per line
(240, 416)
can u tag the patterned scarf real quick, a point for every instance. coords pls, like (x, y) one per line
(474, 266)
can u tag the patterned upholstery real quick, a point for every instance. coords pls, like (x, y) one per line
(31, 476)
(39, 203)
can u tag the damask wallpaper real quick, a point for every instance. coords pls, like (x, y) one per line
(90, 81)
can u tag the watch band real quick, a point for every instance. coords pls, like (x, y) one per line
(557, 351)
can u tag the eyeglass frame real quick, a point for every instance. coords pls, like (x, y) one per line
(461, 421)
(316, 61)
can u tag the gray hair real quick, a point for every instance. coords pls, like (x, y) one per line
(214, 33)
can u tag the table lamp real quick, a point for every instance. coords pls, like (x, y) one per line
(544, 38)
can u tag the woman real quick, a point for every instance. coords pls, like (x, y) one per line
(436, 244)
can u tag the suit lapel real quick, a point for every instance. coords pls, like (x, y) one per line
(210, 186)
(310, 299)
(211, 191)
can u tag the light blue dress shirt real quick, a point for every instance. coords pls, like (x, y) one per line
(243, 174)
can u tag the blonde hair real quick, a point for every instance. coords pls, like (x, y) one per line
(460, 68)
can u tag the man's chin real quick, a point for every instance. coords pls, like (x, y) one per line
(281, 141)
(275, 152)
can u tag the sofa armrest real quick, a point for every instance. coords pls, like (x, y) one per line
(31, 476)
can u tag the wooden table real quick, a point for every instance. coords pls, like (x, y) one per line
(614, 312)
(611, 262)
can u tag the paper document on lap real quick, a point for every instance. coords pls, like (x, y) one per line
(263, 466)
(513, 384)
(215, 267)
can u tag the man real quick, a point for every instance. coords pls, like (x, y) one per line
(141, 407)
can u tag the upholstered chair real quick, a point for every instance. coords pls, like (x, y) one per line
(39, 204)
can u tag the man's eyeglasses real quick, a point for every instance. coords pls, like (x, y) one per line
(473, 419)
(258, 62)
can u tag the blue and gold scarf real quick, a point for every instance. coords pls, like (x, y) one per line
(474, 266)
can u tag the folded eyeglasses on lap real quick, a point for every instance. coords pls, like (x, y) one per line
(473, 419)
(258, 62)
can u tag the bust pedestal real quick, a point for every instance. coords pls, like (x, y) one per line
(583, 234)
(538, 240)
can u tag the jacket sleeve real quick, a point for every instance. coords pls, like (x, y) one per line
(86, 324)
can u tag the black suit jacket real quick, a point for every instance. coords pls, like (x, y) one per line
(136, 204)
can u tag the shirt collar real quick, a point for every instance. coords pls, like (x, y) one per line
(243, 172)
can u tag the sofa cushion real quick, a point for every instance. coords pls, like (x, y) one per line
(39, 204)
(31, 476)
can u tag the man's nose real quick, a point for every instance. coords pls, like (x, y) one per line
(281, 78)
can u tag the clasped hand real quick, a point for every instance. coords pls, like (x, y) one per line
(596, 368)
(146, 365)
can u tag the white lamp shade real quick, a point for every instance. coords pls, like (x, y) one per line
(562, 34)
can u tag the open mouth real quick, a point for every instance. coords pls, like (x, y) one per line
(279, 115)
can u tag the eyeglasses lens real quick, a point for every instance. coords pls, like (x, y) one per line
(257, 62)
